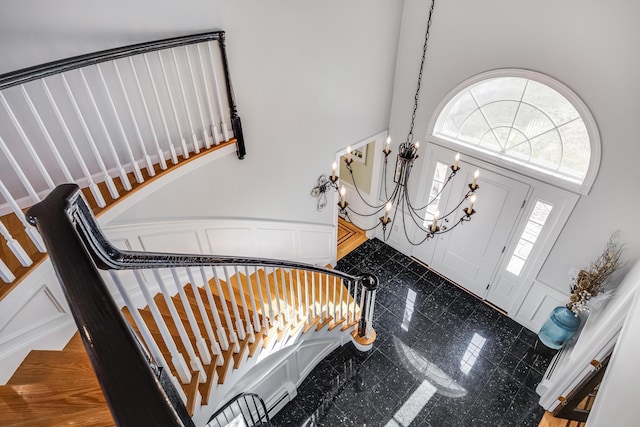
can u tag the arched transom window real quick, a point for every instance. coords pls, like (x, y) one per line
(524, 121)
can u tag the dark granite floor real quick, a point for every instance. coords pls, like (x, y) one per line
(441, 358)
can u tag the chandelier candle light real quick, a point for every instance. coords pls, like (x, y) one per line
(399, 198)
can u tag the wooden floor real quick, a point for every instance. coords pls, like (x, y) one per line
(349, 237)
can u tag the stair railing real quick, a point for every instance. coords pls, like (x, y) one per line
(108, 120)
(246, 407)
(196, 308)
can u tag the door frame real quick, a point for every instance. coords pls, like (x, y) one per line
(547, 238)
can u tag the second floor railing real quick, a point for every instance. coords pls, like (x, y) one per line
(195, 315)
(107, 121)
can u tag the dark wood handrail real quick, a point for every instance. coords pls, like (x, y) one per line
(77, 248)
(36, 72)
(131, 388)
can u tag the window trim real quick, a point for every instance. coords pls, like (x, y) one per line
(527, 169)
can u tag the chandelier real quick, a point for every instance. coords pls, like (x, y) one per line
(398, 199)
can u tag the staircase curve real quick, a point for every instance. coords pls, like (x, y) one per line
(196, 330)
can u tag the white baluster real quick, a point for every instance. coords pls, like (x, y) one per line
(335, 301)
(320, 294)
(355, 299)
(205, 136)
(300, 315)
(47, 136)
(234, 305)
(341, 299)
(223, 124)
(27, 143)
(245, 309)
(194, 138)
(267, 287)
(201, 344)
(306, 297)
(176, 357)
(348, 302)
(183, 143)
(348, 313)
(147, 159)
(95, 191)
(19, 172)
(287, 318)
(194, 361)
(161, 159)
(112, 148)
(92, 144)
(127, 145)
(278, 307)
(326, 300)
(139, 321)
(256, 317)
(5, 274)
(172, 148)
(15, 246)
(233, 336)
(214, 128)
(265, 316)
(369, 318)
(313, 294)
(215, 347)
(222, 334)
(31, 231)
(293, 297)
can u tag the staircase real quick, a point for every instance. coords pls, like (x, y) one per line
(192, 329)
(60, 388)
(204, 322)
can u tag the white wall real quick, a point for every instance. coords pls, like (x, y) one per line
(309, 77)
(590, 47)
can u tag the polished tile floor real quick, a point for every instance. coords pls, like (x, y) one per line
(441, 358)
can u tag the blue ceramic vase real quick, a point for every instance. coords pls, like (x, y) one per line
(559, 328)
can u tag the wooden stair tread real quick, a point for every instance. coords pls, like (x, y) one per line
(16, 228)
(73, 362)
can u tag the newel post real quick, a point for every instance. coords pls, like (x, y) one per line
(367, 301)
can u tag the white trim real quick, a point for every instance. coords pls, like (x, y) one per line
(376, 181)
(589, 121)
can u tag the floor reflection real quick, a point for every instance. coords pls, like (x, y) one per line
(441, 358)
(472, 352)
(425, 371)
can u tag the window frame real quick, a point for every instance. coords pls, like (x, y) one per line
(525, 168)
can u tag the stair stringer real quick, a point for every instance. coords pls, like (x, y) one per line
(275, 374)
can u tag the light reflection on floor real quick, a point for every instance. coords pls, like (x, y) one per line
(442, 358)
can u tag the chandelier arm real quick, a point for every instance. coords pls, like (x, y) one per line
(353, 180)
(458, 205)
(437, 196)
(406, 234)
(458, 222)
(413, 214)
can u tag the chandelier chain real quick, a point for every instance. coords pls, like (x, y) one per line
(417, 95)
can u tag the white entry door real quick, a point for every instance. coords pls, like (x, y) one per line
(470, 254)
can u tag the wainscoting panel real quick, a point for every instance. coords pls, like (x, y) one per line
(538, 304)
(310, 243)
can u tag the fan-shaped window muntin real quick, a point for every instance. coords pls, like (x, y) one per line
(522, 121)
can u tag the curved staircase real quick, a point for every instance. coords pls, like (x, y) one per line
(200, 328)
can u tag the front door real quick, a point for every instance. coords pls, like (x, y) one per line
(470, 254)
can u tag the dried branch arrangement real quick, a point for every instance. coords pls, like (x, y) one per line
(591, 281)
